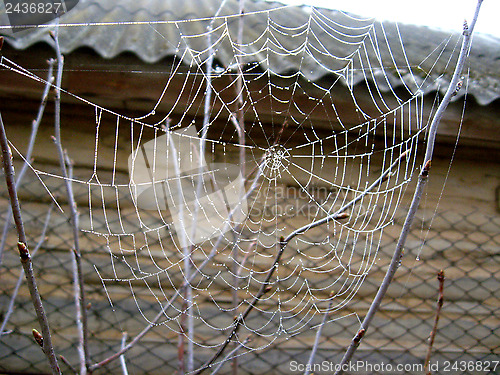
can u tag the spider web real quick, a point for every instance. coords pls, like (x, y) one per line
(196, 203)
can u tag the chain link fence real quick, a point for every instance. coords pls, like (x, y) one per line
(463, 242)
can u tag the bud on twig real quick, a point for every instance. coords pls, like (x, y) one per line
(38, 337)
(23, 251)
(440, 276)
(341, 216)
(426, 168)
(405, 154)
(359, 335)
(386, 177)
(458, 87)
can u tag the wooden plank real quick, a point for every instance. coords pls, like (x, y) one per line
(125, 83)
(468, 183)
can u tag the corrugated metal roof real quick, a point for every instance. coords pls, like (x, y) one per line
(273, 37)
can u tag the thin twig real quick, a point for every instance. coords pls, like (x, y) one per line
(432, 336)
(180, 344)
(67, 171)
(240, 113)
(24, 253)
(187, 303)
(239, 123)
(266, 287)
(230, 355)
(188, 250)
(422, 180)
(29, 151)
(122, 357)
(66, 362)
(318, 337)
(10, 307)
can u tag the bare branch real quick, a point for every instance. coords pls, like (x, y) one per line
(66, 362)
(180, 345)
(240, 114)
(10, 307)
(24, 253)
(29, 151)
(318, 337)
(239, 124)
(422, 180)
(432, 336)
(230, 355)
(67, 173)
(122, 357)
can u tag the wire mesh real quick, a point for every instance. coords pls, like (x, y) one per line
(464, 242)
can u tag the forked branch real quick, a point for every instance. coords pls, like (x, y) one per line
(422, 180)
